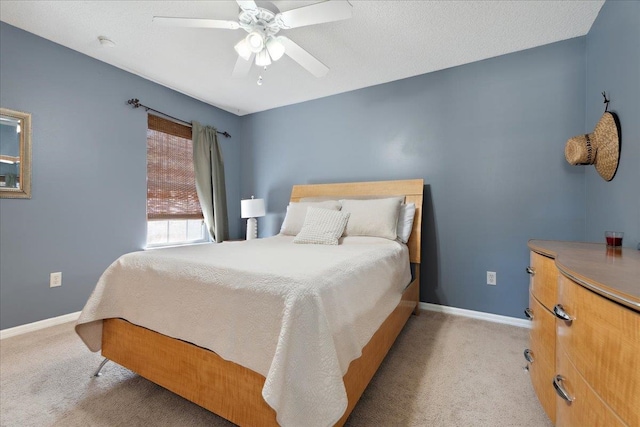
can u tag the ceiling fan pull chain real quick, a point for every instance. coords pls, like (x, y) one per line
(260, 80)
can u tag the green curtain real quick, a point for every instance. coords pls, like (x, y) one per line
(209, 169)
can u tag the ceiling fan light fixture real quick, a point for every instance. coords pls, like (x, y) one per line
(255, 41)
(275, 48)
(263, 59)
(261, 25)
(243, 49)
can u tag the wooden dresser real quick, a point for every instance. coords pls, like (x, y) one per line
(584, 346)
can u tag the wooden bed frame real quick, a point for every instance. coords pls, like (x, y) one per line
(233, 391)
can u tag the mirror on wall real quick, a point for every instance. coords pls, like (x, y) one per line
(15, 154)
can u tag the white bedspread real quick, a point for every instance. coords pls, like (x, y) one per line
(297, 314)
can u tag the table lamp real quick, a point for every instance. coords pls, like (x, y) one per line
(252, 209)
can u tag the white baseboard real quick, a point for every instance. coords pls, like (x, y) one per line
(496, 318)
(36, 326)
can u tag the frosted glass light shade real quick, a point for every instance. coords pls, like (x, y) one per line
(243, 49)
(275, 48)
(252, 208)
(255, 41)
(262, 58)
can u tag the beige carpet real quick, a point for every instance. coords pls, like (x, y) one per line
(443, 371)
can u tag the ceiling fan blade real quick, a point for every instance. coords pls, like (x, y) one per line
(242, 67)
(247, 4)
(195, 22)
(304, 58)
(327, 11)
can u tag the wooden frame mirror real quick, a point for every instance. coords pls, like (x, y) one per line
(15, 154)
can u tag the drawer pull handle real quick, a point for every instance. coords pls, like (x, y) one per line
(557, 384)
(528, 313)
(530, 271)
(558, 310)
(528, 355)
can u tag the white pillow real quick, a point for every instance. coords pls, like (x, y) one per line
(296, 213)
(376, 217)
(405, 221)
(322, 227)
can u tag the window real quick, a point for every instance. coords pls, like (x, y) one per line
(173, 209)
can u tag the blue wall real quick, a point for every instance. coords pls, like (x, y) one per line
(488, 139)
(88, 202)
(613, 65)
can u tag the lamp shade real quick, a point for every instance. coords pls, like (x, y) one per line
(252, 208)
(262, 58)
(255, 41)
(243, 49)
(275, 48)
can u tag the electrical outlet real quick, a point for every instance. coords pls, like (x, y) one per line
(491, 277)
(55, 279)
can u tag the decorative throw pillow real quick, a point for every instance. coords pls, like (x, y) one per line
(376, 218)
(405, 221)
(297, 211)
(322, 226)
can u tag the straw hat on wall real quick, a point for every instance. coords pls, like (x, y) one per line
(600, 148)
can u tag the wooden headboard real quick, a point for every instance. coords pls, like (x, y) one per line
(412, 189)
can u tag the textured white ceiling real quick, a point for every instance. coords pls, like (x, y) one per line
(384, 41)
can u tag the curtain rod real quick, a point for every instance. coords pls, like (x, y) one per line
(135, 103)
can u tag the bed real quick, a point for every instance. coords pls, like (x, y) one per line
(240, 391)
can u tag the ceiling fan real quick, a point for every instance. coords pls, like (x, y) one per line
(262, 44)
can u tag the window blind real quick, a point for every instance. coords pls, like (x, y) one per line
(171, 184)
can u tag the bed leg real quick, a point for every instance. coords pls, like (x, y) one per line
(416, 309)
(98, 373)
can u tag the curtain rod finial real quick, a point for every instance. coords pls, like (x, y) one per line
(135, 102)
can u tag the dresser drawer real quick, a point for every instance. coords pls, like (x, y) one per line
(544, 279)
(585, 409)
(543, 332)
(542, 350)
(603, 342)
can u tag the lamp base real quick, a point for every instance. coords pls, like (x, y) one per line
(252, 228)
